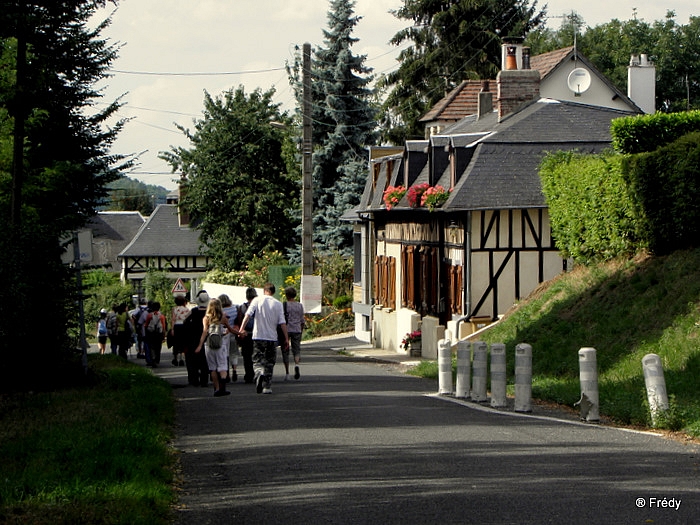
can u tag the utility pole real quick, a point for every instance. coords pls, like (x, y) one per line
(307, 257)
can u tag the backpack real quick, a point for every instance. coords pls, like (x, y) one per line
(215, 336)
(155, 326)
(102, 327)
(112, 328)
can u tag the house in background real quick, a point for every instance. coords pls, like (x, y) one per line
(490, 243)
(104, 236)
(167, 243)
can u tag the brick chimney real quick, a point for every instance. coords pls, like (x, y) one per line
(515, 88)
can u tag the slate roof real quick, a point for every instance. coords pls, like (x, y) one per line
(501, 159)
(117, 226)
(161, 235)
(503, 172)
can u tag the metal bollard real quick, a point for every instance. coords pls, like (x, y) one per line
(444, 367)
(523, 378)
(498, 375)
(464, 355)
(655, 384)
(588, 377)
(479, 371)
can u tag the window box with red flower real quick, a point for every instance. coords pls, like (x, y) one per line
(392, 196)
(415, 193)
(435, 197)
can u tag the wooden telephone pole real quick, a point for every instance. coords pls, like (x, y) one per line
(307, 257)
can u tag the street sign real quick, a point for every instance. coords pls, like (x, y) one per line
(179, 288)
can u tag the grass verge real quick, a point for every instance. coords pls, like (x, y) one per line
(96, 454)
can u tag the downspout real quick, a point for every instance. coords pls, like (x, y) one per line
(466, 274)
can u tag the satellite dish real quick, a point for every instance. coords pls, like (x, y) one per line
(579, 80)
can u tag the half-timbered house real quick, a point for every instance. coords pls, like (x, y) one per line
(167, 243)
(490, 243)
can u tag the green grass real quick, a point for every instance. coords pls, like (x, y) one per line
(97, 454)
(624, 310)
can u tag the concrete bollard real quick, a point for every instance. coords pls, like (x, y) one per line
(588, 377)
(656, 385)
(479, 365)
(464, 356)
(444, 367)
(523, 378)
(498, 375)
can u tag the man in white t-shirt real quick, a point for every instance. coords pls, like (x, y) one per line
(269, 314)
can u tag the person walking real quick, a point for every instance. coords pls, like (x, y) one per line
(269, 315)
(177, 322)
(294, 316)
(124, 331)
(155, 329)
(214, 327)
(196, 363)
(101, 332)
(245, 340)
(230, 344)
(112, 331)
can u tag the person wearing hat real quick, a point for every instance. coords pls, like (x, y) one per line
(196, 362)
(102, 331)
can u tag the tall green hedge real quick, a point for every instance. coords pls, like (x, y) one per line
(592, 214)
(665, 186)
(646, 133)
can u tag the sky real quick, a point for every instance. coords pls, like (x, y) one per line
(172, 51)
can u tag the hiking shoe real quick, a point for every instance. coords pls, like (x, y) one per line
(221, 393)
(182, 362)
(259, 384)
(234, 376)
(267, 390)
(297, 375)
(286, 378)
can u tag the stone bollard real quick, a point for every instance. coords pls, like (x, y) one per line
(479, 365)
(523, 378)
(464, 355)
(656, 385)
(588, 377)
(444, 367)
(498, 375)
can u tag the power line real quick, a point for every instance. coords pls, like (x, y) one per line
(196, 74)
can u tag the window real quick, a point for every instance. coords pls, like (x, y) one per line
(385, 281)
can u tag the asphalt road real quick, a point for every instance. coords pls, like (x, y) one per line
(353, 442)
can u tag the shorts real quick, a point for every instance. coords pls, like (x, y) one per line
(217, 360)
(102, 339)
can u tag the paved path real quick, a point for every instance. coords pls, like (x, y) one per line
(356, 442)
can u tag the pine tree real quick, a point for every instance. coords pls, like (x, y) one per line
(54, 168)
(344, 124)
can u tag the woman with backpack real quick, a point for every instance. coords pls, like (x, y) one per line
(102, 331)
(214, 327)
(154, 333)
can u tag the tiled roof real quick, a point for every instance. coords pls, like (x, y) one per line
(547, 62)
(461, 101)
(161, 235)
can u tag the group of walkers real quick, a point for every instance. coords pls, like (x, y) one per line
(207, 338)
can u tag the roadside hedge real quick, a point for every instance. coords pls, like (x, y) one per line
(646, 133)
(593, 216)
(610, 205)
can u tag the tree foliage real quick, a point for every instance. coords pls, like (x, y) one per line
(128, 194)
(53, 181)
(240, 180)
(344, 123)
(451, 41)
